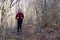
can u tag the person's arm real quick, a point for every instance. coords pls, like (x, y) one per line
(17, 16)
(22, 15)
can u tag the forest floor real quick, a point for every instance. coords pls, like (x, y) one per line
(28, 33)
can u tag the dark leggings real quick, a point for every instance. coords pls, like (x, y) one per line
(19, 23)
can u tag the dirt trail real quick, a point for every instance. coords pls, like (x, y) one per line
(27, 33)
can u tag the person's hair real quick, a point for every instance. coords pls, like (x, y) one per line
(19, 10)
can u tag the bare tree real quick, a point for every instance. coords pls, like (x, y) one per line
(4, 15)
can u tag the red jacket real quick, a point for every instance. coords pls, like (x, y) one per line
(19, 16)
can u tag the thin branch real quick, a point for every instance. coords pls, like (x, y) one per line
(12, 5)
(12, 1)
(3, 0)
